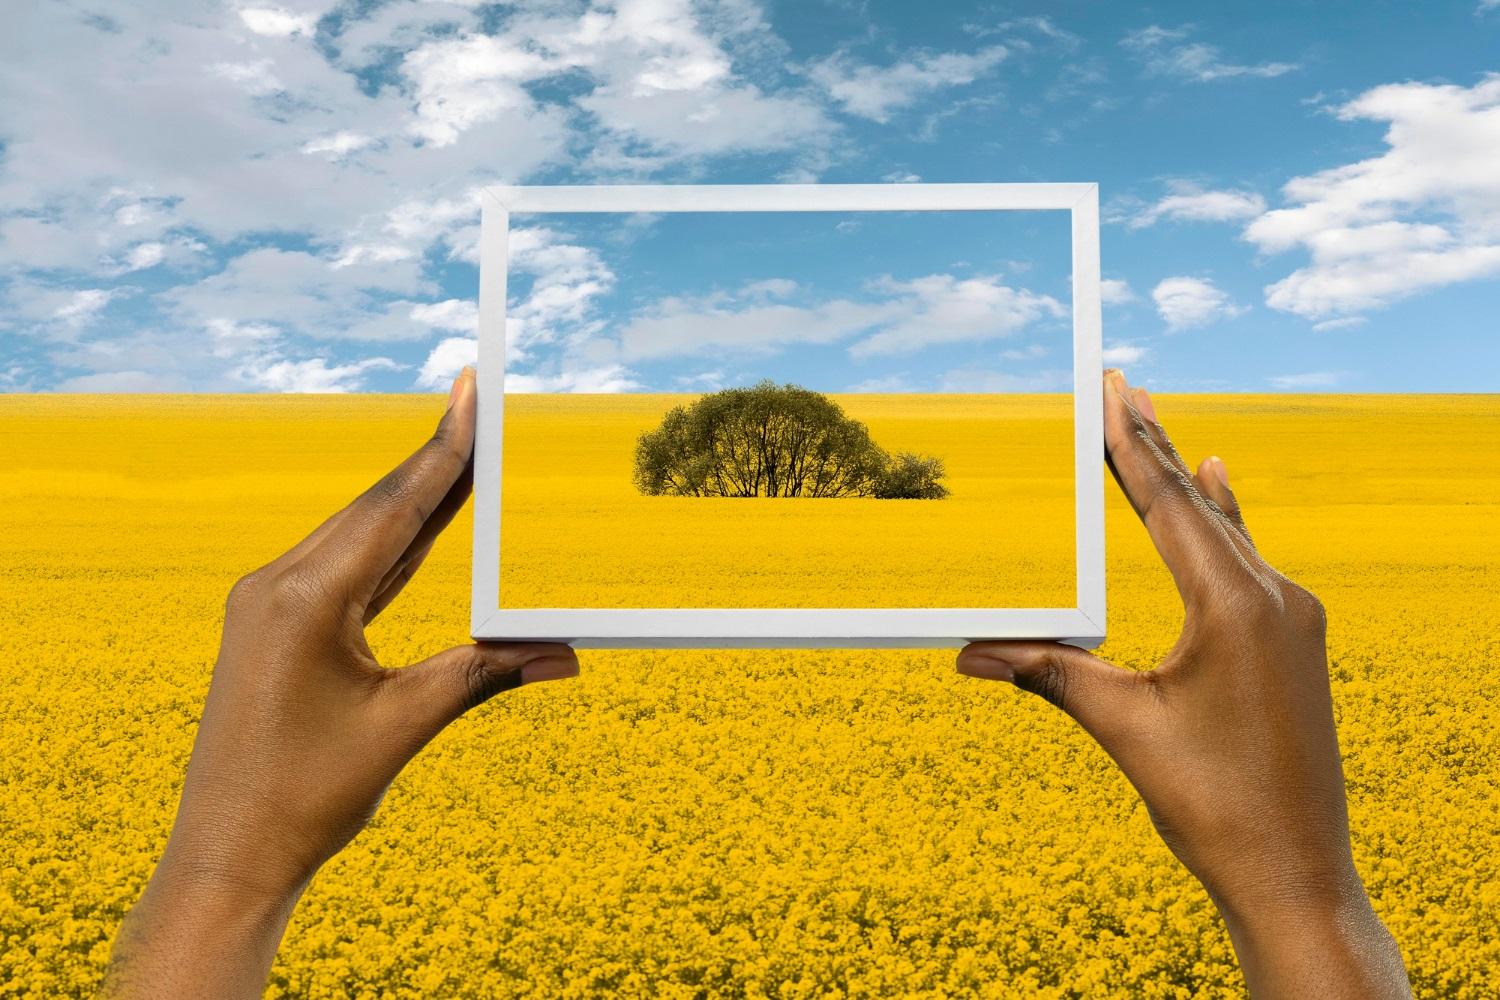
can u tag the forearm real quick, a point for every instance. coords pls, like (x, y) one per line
(1327, 952)
(186, 939)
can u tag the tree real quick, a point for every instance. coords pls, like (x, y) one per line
(911, 477)
(775, 441)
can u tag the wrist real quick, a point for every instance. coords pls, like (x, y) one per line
(194, 934)
(1321, 938)
(1272, 908)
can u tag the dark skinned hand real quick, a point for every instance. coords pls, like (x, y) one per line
(304, 730)
(1230, 740)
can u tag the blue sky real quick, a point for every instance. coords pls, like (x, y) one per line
(258, 196)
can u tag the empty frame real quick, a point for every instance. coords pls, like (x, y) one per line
(670, 531)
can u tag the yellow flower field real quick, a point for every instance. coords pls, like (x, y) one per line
(568, 495)
(787, 824)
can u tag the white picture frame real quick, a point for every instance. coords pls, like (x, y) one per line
(1082, 625)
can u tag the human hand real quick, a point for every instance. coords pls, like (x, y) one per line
(1230, 740)
(303, 730)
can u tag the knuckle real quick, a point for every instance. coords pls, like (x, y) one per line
(483, 678)
(444, 445)
(1048, 682)
(1304, 607)
(292, 591)
(246, 590)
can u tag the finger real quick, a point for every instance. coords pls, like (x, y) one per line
(1146, 407)
(398, 576)
(1191, 542)
(442, 687)
(396, 581)
(1098, 695)
(1213, 482)
(382, 523)
(330, 525)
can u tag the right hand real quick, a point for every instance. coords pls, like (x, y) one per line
(1230, 740)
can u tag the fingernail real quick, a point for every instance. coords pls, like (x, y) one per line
(985, 667)
(1144, 404)
(549, 669)
(1116, 378)
(1220, 470)
(458, 383)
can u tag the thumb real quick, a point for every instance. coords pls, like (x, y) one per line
(1096, 694)
(446, 685)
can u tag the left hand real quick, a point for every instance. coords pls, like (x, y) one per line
(304, 730)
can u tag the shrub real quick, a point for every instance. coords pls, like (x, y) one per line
(911, 477)
(775, 441)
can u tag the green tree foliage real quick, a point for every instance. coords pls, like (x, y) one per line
(775, 441)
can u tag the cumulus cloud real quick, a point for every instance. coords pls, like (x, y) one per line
(313, 375)
(1123, 354)
(1423, 214)
(1187, 202)
(447, 359)
(1186, 302)
(567, 280)
(1167, 52)
(277, 22)
(986, 380)
(125, 381)
(82, 306)
(460, 82)
(358, 140)
(1115, 292)
(875, 91)
(900, 317)
(1309, 380)
(608, 378)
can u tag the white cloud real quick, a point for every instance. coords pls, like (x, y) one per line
(1189, 203)
(144, 255)
(447, 359)
(1309, 380)
(461, 82)
(982, 380)
(567, 280)
(257, 78)
(313, 375)
(1166, 52)
(83, 306)
(300, 291)
(1423, 214)
(277, 22)
(185, 130)
(889, 383)
(942, 309)
(126, 381)
(337, 145)
(610, 378)
(1116, 292)
(1119, 355)
(450, 314)
(875, 91)
(708, 381)
(1186, 302)
(1485, 5)
(901, 317)
(1342, 323)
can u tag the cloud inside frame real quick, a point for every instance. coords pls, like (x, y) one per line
(900, 317)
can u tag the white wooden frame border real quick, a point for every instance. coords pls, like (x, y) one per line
(801, 627)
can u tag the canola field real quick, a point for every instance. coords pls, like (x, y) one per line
(741, 824)
(568, 496)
